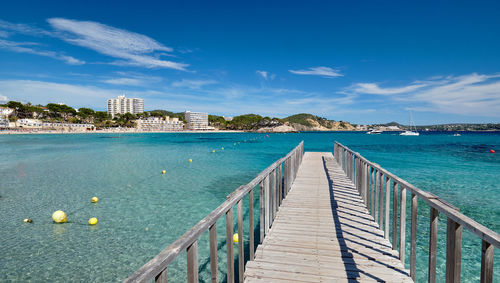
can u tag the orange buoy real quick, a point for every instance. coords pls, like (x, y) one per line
(492, 151)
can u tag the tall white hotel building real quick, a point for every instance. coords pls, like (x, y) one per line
(196, 120)
(122, 105)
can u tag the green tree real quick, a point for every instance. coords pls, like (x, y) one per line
(85, 112)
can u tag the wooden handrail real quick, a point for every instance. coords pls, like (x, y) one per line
(157, 266)
(370, 186)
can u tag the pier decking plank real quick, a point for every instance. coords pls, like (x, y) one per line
(324, 233)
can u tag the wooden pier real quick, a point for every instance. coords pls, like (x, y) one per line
(324, 218)
(324, 233)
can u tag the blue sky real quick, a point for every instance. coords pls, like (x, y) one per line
(357, 61)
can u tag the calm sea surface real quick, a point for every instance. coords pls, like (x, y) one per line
(141, 211)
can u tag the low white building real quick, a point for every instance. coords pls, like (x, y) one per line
(5, 112)
(37, 124)
(393, 128)
(4, 123)
(154, 124)
(361, 127)
(197, 120)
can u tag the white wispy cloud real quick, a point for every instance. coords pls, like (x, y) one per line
(472, 94)
(265, 75)
(131, 78)
(193, 84)
(20, 47)
(123, 81)
(373, 88)
(8, 28)
(262, 74)
(46, 92)
(129, 47)
(3, 98)
(322, 100)
(318, 71)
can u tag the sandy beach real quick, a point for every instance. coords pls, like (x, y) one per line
(45, 132)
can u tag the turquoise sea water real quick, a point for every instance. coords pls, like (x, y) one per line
(141, 211)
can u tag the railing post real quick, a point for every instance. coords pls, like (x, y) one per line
(192, 263)
(241, 250)
(287, 176)
(372, 197)
(381, 200)
(250, 224)
(362, 180)
(376, 205)
(487, 250)
(367, 184)
(280, 185)
(402, 225)
(229, 246)
(349, 166)
(267, 207)
(162, 277)
(387, 206)
(261, 202)
(272, 190)
(394, 215)
(213, 252)
(453, 251)
(433, 244)
(413, 250)
(356, 171)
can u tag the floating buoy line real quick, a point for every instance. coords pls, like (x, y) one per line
(60, 217)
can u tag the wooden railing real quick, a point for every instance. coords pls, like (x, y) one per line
(274, 183)
(370, 180)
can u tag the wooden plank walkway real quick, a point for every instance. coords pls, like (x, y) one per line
(324, 233)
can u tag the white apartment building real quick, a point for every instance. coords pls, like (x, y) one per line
(157, 124)
(122, 105)
(37, 124)
(5, 112)
(197, 120)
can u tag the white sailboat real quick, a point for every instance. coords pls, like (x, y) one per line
(410, 132)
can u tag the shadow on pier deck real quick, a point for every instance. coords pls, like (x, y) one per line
(323, 232)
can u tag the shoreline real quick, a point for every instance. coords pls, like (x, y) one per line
(109, 132)
(10, 132)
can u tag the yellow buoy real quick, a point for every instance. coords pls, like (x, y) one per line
(235, 238)
(94, 199)
(164, 171)
(59, 216)
(190, 160)
(28, 220)
(213, 151)
(222, 148)
(93, 221)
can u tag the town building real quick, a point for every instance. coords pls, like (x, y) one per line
(197, 120)
(5, 112)
(158, 124)
(40, 125)
(4, 123)
(122, 105)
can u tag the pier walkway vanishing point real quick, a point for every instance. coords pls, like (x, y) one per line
(324, 233)
(318, 217)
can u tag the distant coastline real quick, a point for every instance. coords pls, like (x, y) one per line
(43, 132)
